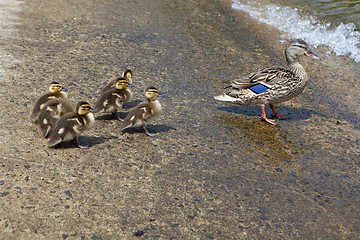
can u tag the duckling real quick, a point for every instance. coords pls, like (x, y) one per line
(56, 91)
(71, 125)
(272, 85)
(52, 111)
(144, 111)
(111, 85)
(113, 99)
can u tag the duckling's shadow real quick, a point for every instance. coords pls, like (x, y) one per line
(129, 105)
(159, 128)
(123, 113)
(294, 114)
(110, 116)
(89, 141)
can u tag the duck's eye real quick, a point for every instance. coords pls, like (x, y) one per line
(301, 46)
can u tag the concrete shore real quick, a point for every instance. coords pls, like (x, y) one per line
(214, 171)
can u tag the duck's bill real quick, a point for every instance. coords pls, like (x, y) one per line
(93, 110)
(312, 55)
(64, 89)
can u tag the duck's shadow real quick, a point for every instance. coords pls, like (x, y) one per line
(293, 114)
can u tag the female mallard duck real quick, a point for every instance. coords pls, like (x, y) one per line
(52, 111)
(113, 99)
(111, 85)
(71, 125)
(272, 85)
(143, 112)
(56, 91)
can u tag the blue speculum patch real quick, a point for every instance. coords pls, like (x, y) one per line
(259, 88)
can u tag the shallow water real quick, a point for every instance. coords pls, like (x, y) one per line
(8, 20)
(333, 11)
(295, 21)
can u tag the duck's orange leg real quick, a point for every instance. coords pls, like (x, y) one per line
(263, 115)
(276, 114)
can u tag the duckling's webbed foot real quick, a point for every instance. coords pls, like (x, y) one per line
(117, 116)
(263, 115)
(276, 114)
(79, 144)
(149, 134)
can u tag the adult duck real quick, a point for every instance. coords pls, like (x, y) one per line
(272, 85)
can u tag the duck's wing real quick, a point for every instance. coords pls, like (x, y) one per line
(269, 76)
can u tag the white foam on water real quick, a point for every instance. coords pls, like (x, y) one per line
(343, 39)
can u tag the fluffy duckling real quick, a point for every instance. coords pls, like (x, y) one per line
(111, 85)
(143, 112)
(272, 85)
(56, 91)
(71, 125)
(113, 99)
(52, 111)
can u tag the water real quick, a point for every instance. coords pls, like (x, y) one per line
(8, 20)
(334, 24)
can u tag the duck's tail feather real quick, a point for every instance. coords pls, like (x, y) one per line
(225, 98)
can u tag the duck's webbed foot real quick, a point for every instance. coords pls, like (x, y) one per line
(276, 114)
(263, 115)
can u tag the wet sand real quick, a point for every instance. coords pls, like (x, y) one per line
(215, 171)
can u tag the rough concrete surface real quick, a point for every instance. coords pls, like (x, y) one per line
(215, 171)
